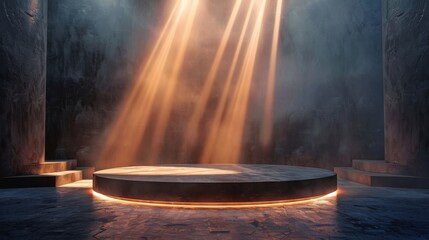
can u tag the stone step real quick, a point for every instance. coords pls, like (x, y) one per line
(54, 166)
(87, 172)
(381, 179)
(53, 179)
(378, 166)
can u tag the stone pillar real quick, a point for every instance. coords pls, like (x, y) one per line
(23, 42)
(406, 83)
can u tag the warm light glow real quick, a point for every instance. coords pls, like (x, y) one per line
(140, 130)
(206, 205)
(210, 147)
(267, 124)
(230, 133)
(86, 183)
(164, 114)
(236, 115)
(201, 104)
(124, 139)
(168, 171)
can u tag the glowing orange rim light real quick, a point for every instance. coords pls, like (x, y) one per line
(208, 205)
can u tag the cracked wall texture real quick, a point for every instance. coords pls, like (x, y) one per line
(23, 27)
(406, 82)
(329, 92)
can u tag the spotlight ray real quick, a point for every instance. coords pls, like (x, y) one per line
(130, 125)
(209, 146)
(267, 122)
(164, 114)
(193, 125)
(150, 99)
(233, 129)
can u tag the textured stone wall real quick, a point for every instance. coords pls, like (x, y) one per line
(329, 98)
(23, 27)
(406, 82)
(329, 92)
(94, 47)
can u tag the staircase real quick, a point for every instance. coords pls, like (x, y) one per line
(49, 174)
(381, 174)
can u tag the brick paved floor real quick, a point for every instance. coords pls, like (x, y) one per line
(72, 212)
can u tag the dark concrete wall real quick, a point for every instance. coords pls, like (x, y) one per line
(406, 82)
(329, 92)
(329, 98)
(94, 47)
(23, 27)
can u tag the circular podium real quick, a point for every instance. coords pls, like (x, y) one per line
(214, 183)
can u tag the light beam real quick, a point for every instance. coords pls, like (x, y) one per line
(267, 122)
(194, 123)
